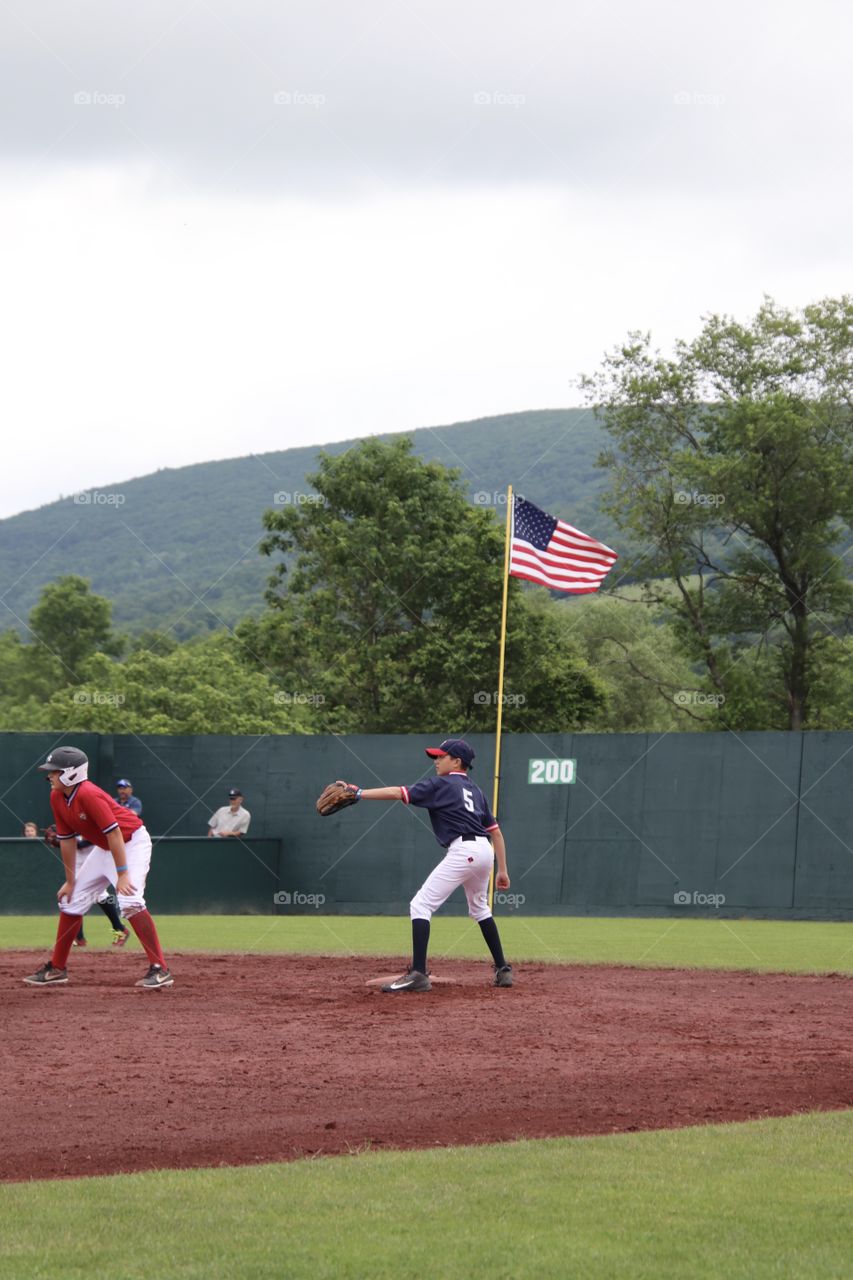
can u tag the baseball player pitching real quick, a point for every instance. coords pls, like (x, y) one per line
(120, 853)
(466, 829)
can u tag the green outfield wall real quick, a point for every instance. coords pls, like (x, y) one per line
(753, 824)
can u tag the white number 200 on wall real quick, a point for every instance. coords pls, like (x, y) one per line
(552, 771)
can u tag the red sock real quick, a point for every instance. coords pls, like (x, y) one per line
(66, 932)
(146, 931)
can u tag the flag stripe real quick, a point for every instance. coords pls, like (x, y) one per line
(567, 574)
(580, 549)
(572, 557)
(560, 568)
(570, 529)
(540, 578)
(600, 552)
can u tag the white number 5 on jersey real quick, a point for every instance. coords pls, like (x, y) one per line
(469, 799)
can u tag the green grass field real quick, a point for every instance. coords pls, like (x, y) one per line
(764, 1199)
(783, 946)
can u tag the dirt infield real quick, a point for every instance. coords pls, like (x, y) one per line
(276, 1057)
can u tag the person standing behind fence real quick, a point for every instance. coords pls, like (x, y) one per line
(232, 819)
(126, 798)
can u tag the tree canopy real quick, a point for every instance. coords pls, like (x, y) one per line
(732, 461)
(200, 687)
(391, 610)
(72, 681)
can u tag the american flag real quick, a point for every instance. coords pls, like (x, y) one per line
(553, 553)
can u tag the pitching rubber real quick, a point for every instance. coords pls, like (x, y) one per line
(394, 977)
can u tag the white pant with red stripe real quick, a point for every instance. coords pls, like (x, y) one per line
(467, 863)
(96, 871)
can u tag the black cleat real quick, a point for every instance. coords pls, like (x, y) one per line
(413, 980)
(503, 976)
(156, 977)
(47, 976)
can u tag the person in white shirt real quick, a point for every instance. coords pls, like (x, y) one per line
(232, 819)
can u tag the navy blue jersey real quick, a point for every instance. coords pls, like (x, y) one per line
(457, 806)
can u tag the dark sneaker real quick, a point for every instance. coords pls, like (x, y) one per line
(414, 980)
(503, 976)
(156, 976)
(47, 976)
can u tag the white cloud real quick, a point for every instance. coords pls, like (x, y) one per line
(199, 272)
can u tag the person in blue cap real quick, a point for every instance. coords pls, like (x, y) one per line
(126, 798)
(468, 832)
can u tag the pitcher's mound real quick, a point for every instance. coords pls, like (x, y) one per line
(276, 1057)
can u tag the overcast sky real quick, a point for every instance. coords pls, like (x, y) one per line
(231, 226)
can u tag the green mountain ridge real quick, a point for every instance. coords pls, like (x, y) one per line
(177, 548)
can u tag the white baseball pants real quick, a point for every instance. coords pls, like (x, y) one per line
(96, 871)
(467, 863)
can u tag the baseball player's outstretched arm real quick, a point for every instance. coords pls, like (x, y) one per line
(382, 793)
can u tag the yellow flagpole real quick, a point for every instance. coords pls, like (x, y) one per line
(497, 779)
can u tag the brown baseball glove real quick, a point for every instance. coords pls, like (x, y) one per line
(51, 837)
(337, 795)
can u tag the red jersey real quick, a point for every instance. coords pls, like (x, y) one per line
(89, 812)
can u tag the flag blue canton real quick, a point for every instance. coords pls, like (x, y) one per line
(532, 525)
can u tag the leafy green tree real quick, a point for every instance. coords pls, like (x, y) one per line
(201, 687)
(832, 684)
(733, 463)
(14, 677)
(388, 605)
(161, 643)
(551, 685)
(25, 684)
(649, 683)
(68, 625)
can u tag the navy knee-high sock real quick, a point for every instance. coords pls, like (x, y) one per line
(110, 910)
(420, 942)
(493, 941)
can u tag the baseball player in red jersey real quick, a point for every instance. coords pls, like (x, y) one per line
(120, 854)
